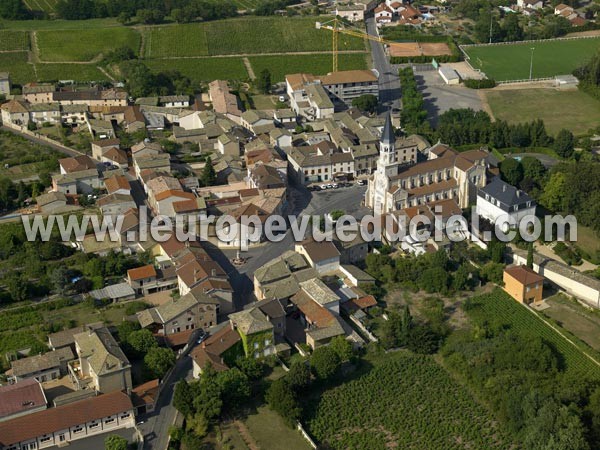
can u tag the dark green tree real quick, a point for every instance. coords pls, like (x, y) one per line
(325, 362)
(159, 360)
(209, 176)
(298, 376)
(183, 398)
(564, 143)
(263, 82)
(511, 171)
(281, 398)
(115, 442)
(366, 103)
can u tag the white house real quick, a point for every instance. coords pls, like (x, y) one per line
(500, 202)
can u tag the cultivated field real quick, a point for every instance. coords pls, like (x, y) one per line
(550, 58)
(550, 105)
(244, 5)
(180, 40)
(406, 401)
(47, 6)
(84, 45)
(13, 40)
(202, 69)
(16, 64)
(279, 66)
(77, 72)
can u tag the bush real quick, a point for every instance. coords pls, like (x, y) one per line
(480, 84)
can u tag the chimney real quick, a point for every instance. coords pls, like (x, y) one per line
(518, 193)
(196, 275)
(214, 272)
(504, 188)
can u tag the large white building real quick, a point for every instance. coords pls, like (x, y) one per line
(500, 202)
(446, 175)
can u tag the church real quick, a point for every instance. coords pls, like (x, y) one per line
(446, 174)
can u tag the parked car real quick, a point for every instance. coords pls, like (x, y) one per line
(361, 182)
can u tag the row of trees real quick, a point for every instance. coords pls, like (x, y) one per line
(141, 82)
(589, 76)
(414, 116)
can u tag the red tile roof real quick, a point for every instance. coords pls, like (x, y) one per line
(139, 273)
(524, 275)
(145, 394)
(20, 397)
(115, 183)
(63, 417)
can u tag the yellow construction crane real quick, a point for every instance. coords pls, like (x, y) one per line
(335, 26)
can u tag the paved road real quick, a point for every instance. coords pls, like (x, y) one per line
(156, 425)
(389, 82)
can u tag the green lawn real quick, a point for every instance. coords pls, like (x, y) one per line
(202, 69)
(13, 40)
(550, 58)
(318, 64)
(269, 431)
(84, 44)
(575, 318)
(573, 110)
(16, 65)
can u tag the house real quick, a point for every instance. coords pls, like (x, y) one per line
(68, 423)
(144, 396)
(5, 84)
(530, 4)
(523, 284)
(383, 14)
(347, 85)
(500, 202)
(38, 92)
(323, 256)
(146, 148)
(51, 202)
(117, 184)
(76, 164)
(223, 101)
(158, 163)
(102, 145)
(561, 7)
(134, 119)
(351, 12)
(102, 365)
(65, 338)
(220, 350)
(256, 331)
(320, 323)
(257, 121)
(44, 113)
(228, 145)
(116, 204)
(263, 176)
(192, 311)
(100, 129)
(285, 117)
(174, 101)
(43, 367)
(74, 114)
(275, 312)
(352, 252)
(280, 278)
(15, 112)
(318, 292)
(148, 280)
(20, 399)
(354, 276)
(93, 97)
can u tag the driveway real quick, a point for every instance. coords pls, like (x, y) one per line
(546, 160)
(439, 97)
(389, 81)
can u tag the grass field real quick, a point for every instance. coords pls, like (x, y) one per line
(16, 64)
(575, 318)
(78, 72)
(84, 45)
(202, 69)
(269, 431)
(13, 40)
(181, 40)
(550, 58)
(318, 64)
(550, 105)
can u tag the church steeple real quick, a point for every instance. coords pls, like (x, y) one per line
(387, 137)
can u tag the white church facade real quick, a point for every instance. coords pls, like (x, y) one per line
(446, 174)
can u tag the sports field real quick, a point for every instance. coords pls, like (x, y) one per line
(572, 109)
(550, 58)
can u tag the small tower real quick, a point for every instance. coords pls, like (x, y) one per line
(387, 146)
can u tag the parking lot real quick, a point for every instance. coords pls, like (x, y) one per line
(439, 97)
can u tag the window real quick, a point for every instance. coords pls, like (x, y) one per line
(78, 429)
(125, 415)
(45, 438)
(94, 425)
(111, 420)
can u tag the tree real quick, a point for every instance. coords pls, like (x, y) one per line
(209, 176)
(251, 367)
(423, 340)
(511, 171)
(141, 341)
(159, 360)
(60, 279)
(366, 102)
(13, 10)
(235, 387)
(511, 28)
(115, 442)
(342, 347)
(460, 278)
(263, 82)
(150, 16)
(281, 398)
(564, 143)
(325, 362)
(434, 279)
(183, 399)
(555, 189)
(530, 255)
(298, 376)
(124, 18)
(533, 169)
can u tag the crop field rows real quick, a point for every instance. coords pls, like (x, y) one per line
(244, 5)
(47, 6)
(499, 306)
(550, 58)
(14, 41)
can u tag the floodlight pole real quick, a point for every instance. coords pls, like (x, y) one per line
(531, 64)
